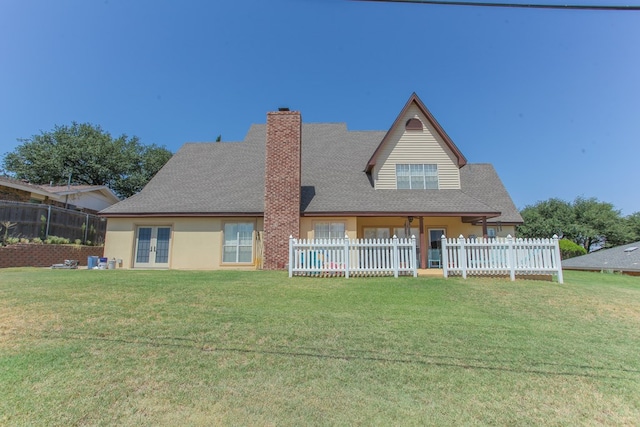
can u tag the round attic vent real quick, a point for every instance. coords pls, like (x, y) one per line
(413, 124)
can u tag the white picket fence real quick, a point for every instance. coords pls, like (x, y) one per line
(497, 256)
(352, 257)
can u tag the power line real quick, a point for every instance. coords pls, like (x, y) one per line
(513, 5)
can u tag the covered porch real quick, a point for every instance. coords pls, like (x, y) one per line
(428, 229)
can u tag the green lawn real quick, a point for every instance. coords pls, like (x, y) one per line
(257, 348)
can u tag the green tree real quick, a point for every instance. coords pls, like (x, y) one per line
(633, 222)
(89, 155)
(587, 222)
(546, 218)
(599, 224)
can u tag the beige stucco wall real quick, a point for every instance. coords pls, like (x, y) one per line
(196, 243)
(415, 147)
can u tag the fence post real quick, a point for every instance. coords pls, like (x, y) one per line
(445, 256)
(395, 256)
(413, 255)
(86, 229)
(46, 234)
(346, 256)
(462, 257)
(511, 258)
(291, 256)
(556, 248)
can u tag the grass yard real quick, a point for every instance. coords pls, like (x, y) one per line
(257, 348)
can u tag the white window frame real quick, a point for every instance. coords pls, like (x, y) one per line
(419, 176)
(376, 232)
(333, 227)
(237, 243)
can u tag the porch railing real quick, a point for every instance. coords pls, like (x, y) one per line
(495, 256)
(352, 257)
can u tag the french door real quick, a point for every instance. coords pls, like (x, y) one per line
(152, 247)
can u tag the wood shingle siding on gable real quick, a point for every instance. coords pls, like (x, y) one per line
(416, 147)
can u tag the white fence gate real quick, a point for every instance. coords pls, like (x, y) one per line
(495, 256)
(352, 257)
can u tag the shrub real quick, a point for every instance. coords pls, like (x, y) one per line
(36, 240)
(55, 240)
(7, 225)
(77, 242)
(570, 249)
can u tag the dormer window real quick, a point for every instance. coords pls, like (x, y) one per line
(414, 124)
(417, 177)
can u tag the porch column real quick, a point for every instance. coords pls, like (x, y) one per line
(423, 245)
(485, 233)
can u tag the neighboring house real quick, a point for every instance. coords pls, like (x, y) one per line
(85, 197)
(15, 190)
(622, 259)
(88, 198)
(234, 205)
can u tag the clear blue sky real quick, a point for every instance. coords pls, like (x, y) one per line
(550, 97)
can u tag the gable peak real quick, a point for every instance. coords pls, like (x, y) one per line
(415, 100)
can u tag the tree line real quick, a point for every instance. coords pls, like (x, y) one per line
(587, 222)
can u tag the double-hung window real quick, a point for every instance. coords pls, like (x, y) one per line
(376, 233)
(416, 176)
(329, 230)
(238, 242)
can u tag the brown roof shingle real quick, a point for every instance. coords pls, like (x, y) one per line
(228, 179)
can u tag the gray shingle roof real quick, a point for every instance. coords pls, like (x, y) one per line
(481, 180)
(228, 178)
(607, 259)
(204, 178)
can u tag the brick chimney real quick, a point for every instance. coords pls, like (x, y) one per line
(282, 186)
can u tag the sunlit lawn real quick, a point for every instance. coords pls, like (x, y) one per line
(257, 348)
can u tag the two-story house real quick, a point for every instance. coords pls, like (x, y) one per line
(234, 205)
